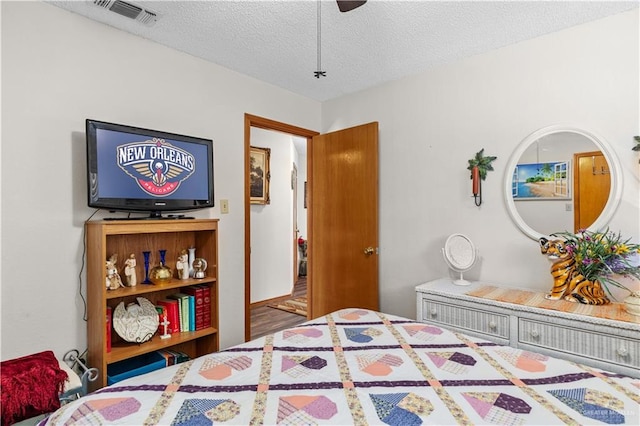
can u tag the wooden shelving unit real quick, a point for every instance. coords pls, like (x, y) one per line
(105, 238)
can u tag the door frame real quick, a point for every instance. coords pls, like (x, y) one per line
(266, 124)
(296, 231)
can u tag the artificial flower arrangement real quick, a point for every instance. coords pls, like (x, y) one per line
(600, 255)
(302, 243)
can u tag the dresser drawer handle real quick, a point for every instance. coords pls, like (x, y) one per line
(623, 352)
(493, 325)
(534, 333)
(434, 312)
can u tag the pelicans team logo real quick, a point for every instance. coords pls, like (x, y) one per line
(157, 166)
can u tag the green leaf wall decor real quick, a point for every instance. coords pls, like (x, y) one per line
(483, 163)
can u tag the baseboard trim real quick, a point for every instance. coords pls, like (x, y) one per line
(270, 301)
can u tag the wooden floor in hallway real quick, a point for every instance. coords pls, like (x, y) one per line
(265, 320)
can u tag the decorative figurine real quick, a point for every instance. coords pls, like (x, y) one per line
(137, 322)
(568, 283)
(199, 266)
(192, 256)
(130, 271)
(165, 326)
(114, 281)
(182, 265)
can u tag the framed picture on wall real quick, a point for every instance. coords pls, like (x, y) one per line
(541, 181)
(260, 174)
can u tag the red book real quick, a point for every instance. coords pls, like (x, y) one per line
(206, 303)
(173, 314)
(197, 292)
(109, 314)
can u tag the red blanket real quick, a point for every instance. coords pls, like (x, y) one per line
(31, 386)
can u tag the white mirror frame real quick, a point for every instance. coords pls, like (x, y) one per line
(615, 192)
(470, 250)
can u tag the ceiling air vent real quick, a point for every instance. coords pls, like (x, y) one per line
(129, 10)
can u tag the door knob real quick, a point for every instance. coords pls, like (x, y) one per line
(369, 251)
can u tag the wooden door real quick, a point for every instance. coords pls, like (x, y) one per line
(592, 184)
(343, 231)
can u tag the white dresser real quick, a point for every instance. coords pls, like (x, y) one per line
(480, 310)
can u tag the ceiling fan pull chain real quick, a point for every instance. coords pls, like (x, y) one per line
(319, 73)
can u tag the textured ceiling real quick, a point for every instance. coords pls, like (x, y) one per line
(276, 41)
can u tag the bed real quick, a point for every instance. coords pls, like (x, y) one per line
(357, 366)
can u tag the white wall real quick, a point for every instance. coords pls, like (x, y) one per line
(272, 224)
(433, 123)
(57, 70)
(301, 163)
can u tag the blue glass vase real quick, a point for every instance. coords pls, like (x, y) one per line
(146, 267)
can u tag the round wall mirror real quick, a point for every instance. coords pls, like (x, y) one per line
(562, 178)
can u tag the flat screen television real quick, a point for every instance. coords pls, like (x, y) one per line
(142, 170)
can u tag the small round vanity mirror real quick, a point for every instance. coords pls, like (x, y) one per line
(562, 178)
(460, 254)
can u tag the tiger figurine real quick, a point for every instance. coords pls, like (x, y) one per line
(568, 283)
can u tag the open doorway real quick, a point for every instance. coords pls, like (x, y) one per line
(258, 303)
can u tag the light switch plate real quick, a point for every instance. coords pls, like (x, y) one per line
(224, 206)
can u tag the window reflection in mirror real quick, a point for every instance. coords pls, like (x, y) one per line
(561, 182)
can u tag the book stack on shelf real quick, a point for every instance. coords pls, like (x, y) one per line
(200, 296)
(173, 357)
(188, 310)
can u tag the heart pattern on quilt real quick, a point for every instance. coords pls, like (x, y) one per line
(353, 315)
(304, 409)
(378, 364)
(110, 409)
(524, 360)
(301, 365)
(497, 407)
(301, 335)
(422, 331)
(593, 404)
(222, 366)
(453, 362)
(399, 409)
(205, 411)
(362, 335)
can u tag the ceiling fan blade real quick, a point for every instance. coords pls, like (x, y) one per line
(347, 5)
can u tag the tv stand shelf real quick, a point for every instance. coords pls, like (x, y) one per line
(124, 237)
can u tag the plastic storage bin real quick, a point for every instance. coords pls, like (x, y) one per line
(136, 366)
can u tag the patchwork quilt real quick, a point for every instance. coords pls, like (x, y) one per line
(361, 367)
